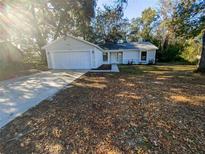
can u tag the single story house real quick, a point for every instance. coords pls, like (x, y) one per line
(74, 53)
(130, 52)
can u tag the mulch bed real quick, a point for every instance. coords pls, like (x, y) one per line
(104, 67)
(116, 113)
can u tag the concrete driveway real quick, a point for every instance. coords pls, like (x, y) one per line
(17, 96)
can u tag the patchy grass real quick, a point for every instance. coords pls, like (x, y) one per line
(142, 109)
(157, 69)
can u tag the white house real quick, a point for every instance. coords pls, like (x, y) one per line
(131, 52)
(74, 53)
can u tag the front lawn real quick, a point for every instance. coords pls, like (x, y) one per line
(142, 109)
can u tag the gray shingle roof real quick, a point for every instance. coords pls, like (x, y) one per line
(129, 45)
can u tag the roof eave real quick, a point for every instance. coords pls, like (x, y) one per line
(46, 46)
(131, 49)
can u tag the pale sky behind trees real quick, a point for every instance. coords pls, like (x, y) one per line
(134, 7)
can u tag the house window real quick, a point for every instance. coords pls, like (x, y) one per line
(143, 55)
(105, 56)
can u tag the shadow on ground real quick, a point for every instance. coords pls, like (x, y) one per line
(159, 110)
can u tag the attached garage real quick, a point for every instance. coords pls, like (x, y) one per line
(71, 60)
(73, 53)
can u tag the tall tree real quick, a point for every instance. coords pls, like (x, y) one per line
(31, 23)
(3, 32)
(142, 27)
(189, 22)
(109, 24)
(135, 27)
(165, 29)
(201, 67)
(148, 18)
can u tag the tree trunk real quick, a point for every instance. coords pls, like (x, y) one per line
(165, 43)
(57, 33)
(201, 67)
(38, 35)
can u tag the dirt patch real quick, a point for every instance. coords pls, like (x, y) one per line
(104, 67)
(17, 70)
(14, 75)
(116, 113)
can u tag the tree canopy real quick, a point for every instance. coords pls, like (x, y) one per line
(176, 27)
(31, 24)
(142, 27)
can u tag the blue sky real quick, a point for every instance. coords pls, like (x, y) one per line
(134, 7)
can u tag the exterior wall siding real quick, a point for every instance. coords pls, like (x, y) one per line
(69, 44)
(135, 56)
(131, 56)
(98, 58)
(151, 56)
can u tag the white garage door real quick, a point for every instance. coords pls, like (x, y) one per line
(71, 60)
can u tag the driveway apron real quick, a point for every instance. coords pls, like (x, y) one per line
(18, 95)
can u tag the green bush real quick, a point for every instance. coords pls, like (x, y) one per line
(172, 53)
(185, 51)
(191, 51)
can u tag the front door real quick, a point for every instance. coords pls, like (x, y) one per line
(116, 57)
(143, 56)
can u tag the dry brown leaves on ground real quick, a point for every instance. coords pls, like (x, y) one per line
(115, 113)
